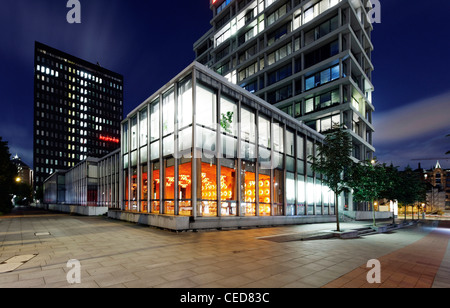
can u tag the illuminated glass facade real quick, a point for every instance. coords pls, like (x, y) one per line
(204, 147)
(78, 107)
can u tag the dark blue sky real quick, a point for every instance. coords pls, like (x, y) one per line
(149, 42)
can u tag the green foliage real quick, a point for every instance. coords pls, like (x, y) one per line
(7, 173)
(226, 121)
(412, 189)
(368, 181)
(332, 161)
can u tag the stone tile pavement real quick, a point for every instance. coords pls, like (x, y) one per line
(115, 254)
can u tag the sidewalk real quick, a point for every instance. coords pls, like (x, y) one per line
(124, 255)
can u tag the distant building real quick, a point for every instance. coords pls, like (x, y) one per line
(78, 107)
(92, 182)
(24, 172)
(438, 194)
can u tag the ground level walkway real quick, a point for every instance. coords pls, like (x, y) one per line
(35, 247)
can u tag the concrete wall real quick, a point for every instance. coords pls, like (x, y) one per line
(75, 209)
(183, 223)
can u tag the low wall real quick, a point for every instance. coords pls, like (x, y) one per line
(183, 223)
(367, 215)
(176, 223)
(75, 209)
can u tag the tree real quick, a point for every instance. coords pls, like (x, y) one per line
(368, 182)
(412, 189)
(392, 185)
(332, 161)
(8, 171)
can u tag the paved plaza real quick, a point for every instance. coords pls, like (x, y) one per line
(35, 248)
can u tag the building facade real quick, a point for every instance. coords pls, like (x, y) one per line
(108, 180)
(78, 107)
(309, 58)
(93, 182)
(202, 147)
(438, 178)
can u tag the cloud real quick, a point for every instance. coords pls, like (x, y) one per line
(417, 120)
(415, 133)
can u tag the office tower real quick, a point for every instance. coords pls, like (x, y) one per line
(78, 107)
(311, 59)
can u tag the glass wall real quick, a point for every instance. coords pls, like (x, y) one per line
(243, 161)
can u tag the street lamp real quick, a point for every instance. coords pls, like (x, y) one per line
(18, 179)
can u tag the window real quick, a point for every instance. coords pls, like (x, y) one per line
(185, 103)
(143, 127)
(322, 77)
(248, 71)
(206, 107)
(280, 74)
(278, 33)
(327, 123)
(322, 54)
(280, 94)
(185, 186)
(248, 189)
(228, 187)
(134, 133)
(264, 132)
(154, 121)
(277, 14)
(125, 138)
(168, 112)
(208, 190)
(279, 54)
(278, 137)
(248, 134)
(169, 186)
(155, 187)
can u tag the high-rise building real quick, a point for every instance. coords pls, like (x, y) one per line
(78, 107)
(309, 58)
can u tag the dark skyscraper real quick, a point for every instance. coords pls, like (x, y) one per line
(78, 107)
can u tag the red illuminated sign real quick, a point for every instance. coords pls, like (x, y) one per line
(109, 139)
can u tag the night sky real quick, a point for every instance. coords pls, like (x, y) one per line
(149, 42)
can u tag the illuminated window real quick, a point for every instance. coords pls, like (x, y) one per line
(228, 187)
(248, 193)
(185, 186)
(208, 190)
(169, 186)
(155, 188)
(264, 193)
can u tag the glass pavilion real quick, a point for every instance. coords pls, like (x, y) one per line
(203, 147)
